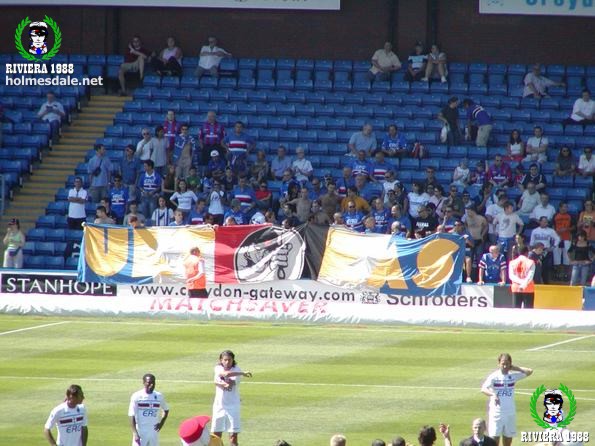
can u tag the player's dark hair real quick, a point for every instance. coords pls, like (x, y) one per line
(148, 375)
(230, 354)
(504, 355)
(551, 395)
(398, 441)
(427, 436)
(378, 442)
(74, 390)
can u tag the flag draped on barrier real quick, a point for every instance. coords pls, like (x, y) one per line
(261, 253)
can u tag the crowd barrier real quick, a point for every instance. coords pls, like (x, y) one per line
(59, 293)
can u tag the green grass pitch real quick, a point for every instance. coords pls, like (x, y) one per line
(309, 381)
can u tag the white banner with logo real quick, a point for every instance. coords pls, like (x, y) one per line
(333, 5)
(576, 8)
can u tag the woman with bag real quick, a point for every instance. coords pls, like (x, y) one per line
(14, 240)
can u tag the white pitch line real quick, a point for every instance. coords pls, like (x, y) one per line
(543, 347)
(572, 351)
(264, 383)
(32, 328)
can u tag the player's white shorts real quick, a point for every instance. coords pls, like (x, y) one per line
(147, 438)
(226, 420)
(502, 424)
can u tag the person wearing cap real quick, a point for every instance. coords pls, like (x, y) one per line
(384, 63)
(195, 273)
(195, 431)
(14, 240)
(416, 63)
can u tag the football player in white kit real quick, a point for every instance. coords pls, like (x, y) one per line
(145, 412)
(499, 386)
(226, 407)
(71, 419)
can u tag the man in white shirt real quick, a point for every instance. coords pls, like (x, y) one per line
(70, 417)
(210, 58)
(586, 163)
(302, 168)
(144, 411)
(384, 62)
(491, 212)
(543, 209)
(77, 198)
(499, 386)
(52, 111)
(528, 200)
(536, 147)
(145, 148)
(508, 224)
(550, 240)
(583, 110)
(536, 85)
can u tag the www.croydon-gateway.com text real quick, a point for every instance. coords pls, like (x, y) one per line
(252, 294)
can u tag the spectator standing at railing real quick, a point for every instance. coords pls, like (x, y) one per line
(130, 167)
(149, 185)
(582, 255)
(52, 111)
(171, 127)
(159, 155)
(14, 240)
(99, 169)
(210, 58)
(77, 197)
(210, 137)
(492, 267)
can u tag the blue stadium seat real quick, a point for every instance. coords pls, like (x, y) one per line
(457, 152)
(477, 78)
(305, 110)
(34, 262)
(420, 87)
(457, 78)
(478, 89)
(458, 89)
(57, 208)
(296, 97)
(297, 122)
(53, 262)
(576, 193)
(409, 164)
(36, 234)
(448, 164)
(497, 69)
(342, 66)
(400, 87)
(227, 82)
(457, 67)
(304, 64)
(438, 88)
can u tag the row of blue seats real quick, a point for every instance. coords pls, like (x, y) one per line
(40, 92)
(26, 128)
(54, 234)
(50, 263)
(440, 98)
(34, 103)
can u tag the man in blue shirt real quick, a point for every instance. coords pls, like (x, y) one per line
(379, 168)
(280, 163)
(129, 169)
(492, 267)
(100, 169)
(149, 186)
(360, 165)
(353, 218)
(381, 216)
(478, 115)
(394, 143)
(245, 195)
(238, 146)
(396, 215)
(235, 212)
(118, 199)
(345, 182)
(216, 166)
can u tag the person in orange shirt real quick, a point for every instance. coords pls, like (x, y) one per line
(520, 272)
(196, 281)
(564, 226)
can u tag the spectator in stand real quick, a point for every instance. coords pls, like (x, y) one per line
(160, 147)
(529, 199)
(216, 166)
(460, 229)
(360, 203)
(550, 239)
(289, 186)
(394, 143)
(535, 177)
(416, 63)
(449, 116)
(360, 165)
(52, 112)
(492, 267)
(417, 198)
(565, 163)
(135, 58)
(535, 254)
(543, 209)
(338, 440)
(287, 216)
(77, 197)
(397, 215)
(478, 176)
(118, 199)
(129, 169)
(507, 225)
(430, 178)
(586, 221)
(380, 168)
(280, 163)
(499, 173)
(210, 58)
(491, 211)
(263, 196)
(520, 273)
(259, 170)
(171, 128)
(101, 217)
(14, 241)
(583, 111)
(586, 163)
(381, 216)
(238, 145)
(245, 194)
(437, 198)
(210, 137)
(518, 245)
(168, 185)
(448, 219)
(425, 221)
(468, 201)
(353, 218)
(345, 182)
(99, 169)
(184, 152)
(582, 254)
(390, 181)
(198, 213)
(515, 148)
(461, 174)
(216, 201)
(536, 85)
(401, 198)
(477, 226)
(303, 205)
(162, 215)
(316, 191)
(145, 148)
(133, 213)
(364, 140)
(436, 65)
(536, 148)
(477, 115)
(235, 212)
(564, 227)
(178, 218)
(149, 185)
(455, 202)
(479, 437)
(330, 202)
(169, 60)
(183, 199)
(302, 168)
(384, 63)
